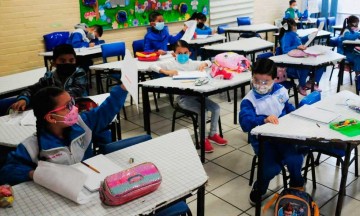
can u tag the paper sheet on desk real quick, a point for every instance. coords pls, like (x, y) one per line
(316, 50)
(190, 75)
(129, 77)
(315, 114)
(189, 33)
(64, 180)
(311, 37)
(25, 118)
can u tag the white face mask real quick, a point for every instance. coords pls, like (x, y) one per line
(90, 35)
(262, 89)
(295, 7)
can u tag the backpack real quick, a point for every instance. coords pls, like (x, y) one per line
(281, 75)
(228, 62)
(294, 200)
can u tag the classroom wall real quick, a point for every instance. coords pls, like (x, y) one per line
(23, 23)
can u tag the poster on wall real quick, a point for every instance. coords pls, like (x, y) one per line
(118, 14)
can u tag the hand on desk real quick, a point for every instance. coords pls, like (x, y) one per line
(203, 66)
(91, 44)
(301, 47)
(19, 105)
(272, 119)
(162, 52)
(169, 72)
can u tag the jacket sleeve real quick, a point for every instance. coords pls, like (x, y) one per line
(289, 107)
(147, 44)
(76, 40)
(288, 43)
(156, 67)
(350, 36)
(17, 167)
(79, 85)
(248, 118)
(206, 31)
(174, 39)
(99, 118)
(45, 81)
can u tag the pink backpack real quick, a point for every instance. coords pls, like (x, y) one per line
(281, 75)
(228, 62)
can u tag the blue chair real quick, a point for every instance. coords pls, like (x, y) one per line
(177, 209)
(245, 21)
(54, 39)
(138, 46)
(221, 29)
(320, 20)
(311, 98)
(330, 22)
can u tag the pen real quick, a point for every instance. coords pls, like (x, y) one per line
(317, 125)
(93, 168)
(189, 81)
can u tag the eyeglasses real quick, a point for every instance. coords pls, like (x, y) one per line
(68, 106)
(261, 82)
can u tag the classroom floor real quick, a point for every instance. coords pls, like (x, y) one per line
(228, 167)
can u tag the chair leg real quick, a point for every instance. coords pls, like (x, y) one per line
(228, 95)
(171, 99)
(156, 104)
(118, 126)
(351, 82)
(220, 128)
(332, 70)
(356, 162)
(313, 170)
(252, 171)
(317, 161)
(173, 121)
(296, 96)
(284, 176)
(197, 143)
(307, 164)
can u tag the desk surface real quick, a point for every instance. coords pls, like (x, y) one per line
(209, 39)
(18, 81)
(337, 27)
(214, 84)
(329, 56)
(306, 32)
(243, 45)
(352, 42)
(308, 21)
(253, 28)
(175, 156)
(79, 51)
(294, 127)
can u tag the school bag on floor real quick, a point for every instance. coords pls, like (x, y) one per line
(293, 202)
(227, 63)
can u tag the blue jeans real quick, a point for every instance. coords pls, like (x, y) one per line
(277, 155)
(302, 74)
(124, 143)
(192, 103)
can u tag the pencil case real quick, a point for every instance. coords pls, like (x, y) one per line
(127, 185)
(348, 127)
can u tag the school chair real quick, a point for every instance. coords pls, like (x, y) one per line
(349, 65)
(221, 29)
(318, 21)
(330, 22)
(177, 209)
(54, 39)
(245, 21)
(194, 117)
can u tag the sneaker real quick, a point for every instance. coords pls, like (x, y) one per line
(252, 197)
(217, 139)
(208, 146)
(316, 87)
(302, 90)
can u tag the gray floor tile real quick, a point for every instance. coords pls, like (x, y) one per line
(217, 175)
(237, 161)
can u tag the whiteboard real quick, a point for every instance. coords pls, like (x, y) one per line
(349, 7)
(313, 6)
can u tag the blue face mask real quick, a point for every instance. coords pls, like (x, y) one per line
(159, 26)
(182, 58)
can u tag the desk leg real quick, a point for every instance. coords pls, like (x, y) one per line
(202, 129)
(235, 106)
(98, 81)
(341, 74)
(201, 201)
(344, 173)
(259, 175)
(266, 35)
(46, 63)
(146, 109)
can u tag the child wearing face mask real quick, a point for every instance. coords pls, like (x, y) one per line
(201, 28)
(85, 36)
(290, 40)
(181, 62)
(293, 12)
(62, 135)
(266, 103)
(350, 31)
(66, 75)
(158, 37)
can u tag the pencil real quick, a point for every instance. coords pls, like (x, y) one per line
(188, 81)
(91, 167)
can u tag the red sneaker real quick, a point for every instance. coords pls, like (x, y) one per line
(208, 146)
(217, 139)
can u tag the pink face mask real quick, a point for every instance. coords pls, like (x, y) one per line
(71, 118)
(355, 29)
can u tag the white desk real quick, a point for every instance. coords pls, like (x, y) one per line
(179, 87)
(255, 28)
(298, 130)
(305, 32)
(200, 42)
(352, 42)
(181, 172)
(337, 28)
(310, 62)
(13, 84)
(244, 46)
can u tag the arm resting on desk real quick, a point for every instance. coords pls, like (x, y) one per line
(76, 40)
(248, 118)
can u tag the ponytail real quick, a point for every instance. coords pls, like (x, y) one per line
(344, 26)
(287, 25)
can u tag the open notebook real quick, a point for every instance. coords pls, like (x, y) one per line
(315, 114)
(190, 75)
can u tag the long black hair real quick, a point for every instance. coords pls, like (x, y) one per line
(264, 66)
(348, 21)
(290, 24)
(43, 102)
(199, 16)
(181, 43)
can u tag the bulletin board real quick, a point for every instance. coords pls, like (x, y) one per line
(118, 14)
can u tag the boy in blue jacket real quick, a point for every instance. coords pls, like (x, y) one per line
(85, 36)
(266, 103)
(350, 31)
(157, 37)
(63, 136)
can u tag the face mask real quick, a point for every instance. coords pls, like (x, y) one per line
(200, 25)
(295, 8)
(71, 118)
(182, 58)
(90, 35)
(262, 89)
(159, 26)
(65, 70)
(355, 29)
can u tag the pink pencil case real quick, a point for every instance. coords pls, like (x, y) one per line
(127, 185)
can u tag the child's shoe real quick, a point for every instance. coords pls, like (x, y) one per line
(208, 146)
(217, 139)
(316, 87)
(302, 91)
